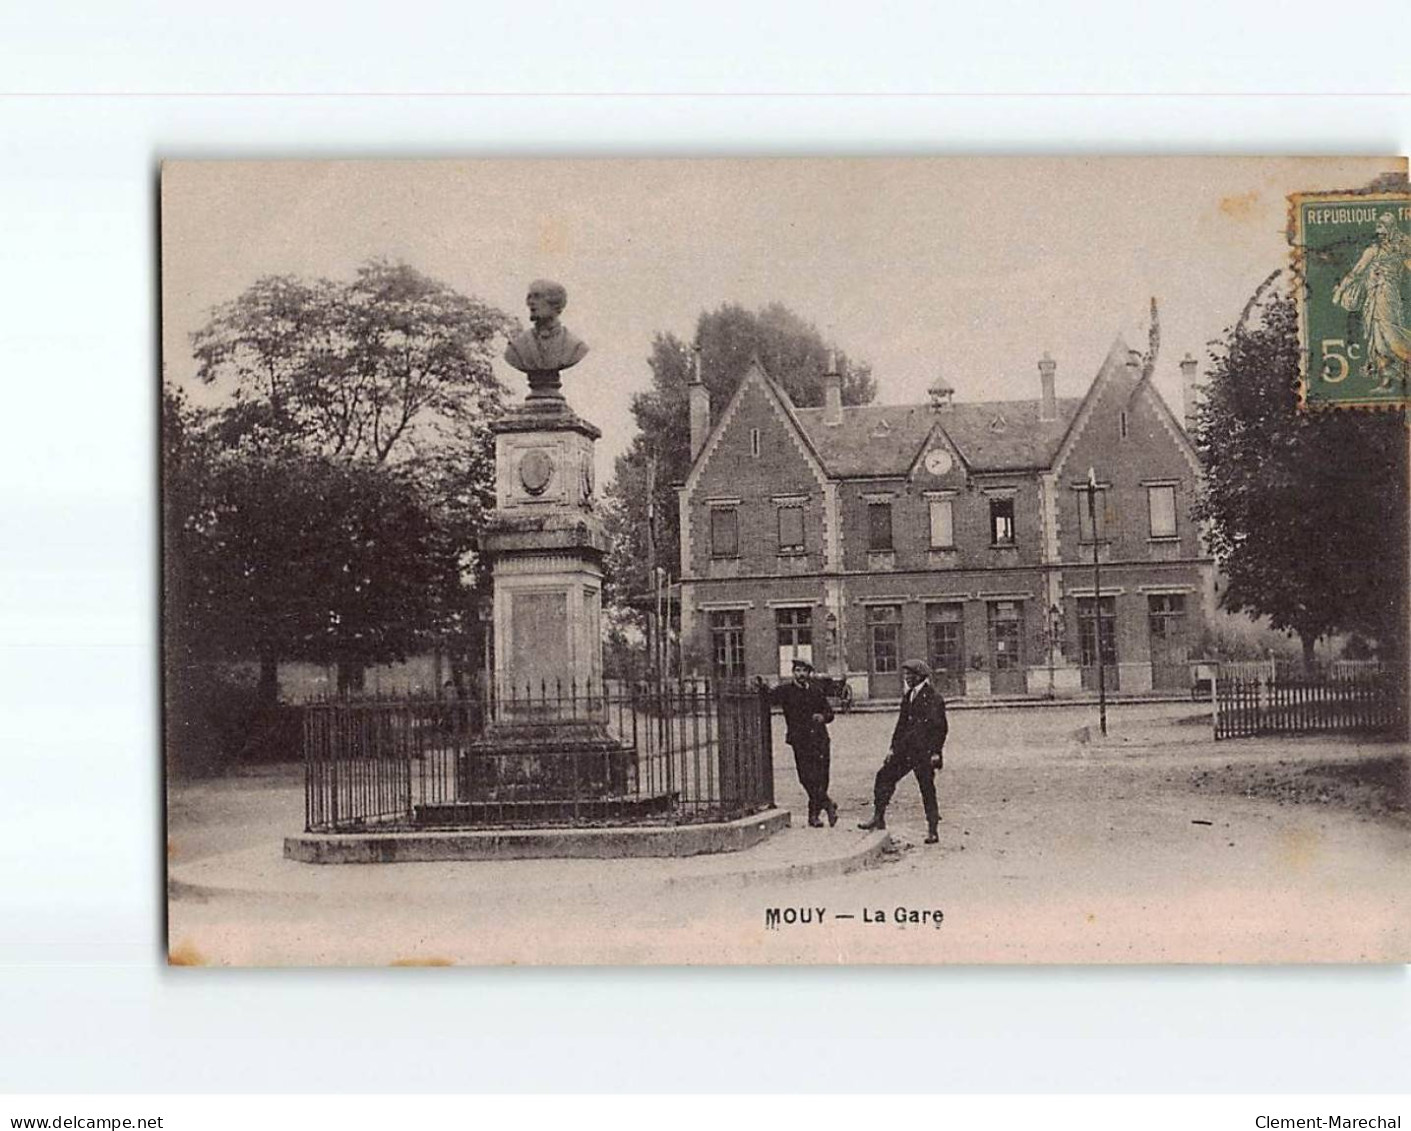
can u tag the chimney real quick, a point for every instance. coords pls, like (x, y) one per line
(1188, 392)
(699, 402)
(832, 391)
(1048, 402)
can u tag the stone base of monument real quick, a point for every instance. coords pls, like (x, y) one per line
(552, 768)
(610, 843)
(526, 812)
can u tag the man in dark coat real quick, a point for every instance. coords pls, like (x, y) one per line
(917, 744)
(807, 715)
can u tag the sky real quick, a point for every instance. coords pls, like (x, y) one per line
(969, 269)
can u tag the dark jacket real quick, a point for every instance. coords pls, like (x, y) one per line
(921, 727)
(799, 705)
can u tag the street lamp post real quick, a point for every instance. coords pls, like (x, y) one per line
(1097, 603)
(1055, 631)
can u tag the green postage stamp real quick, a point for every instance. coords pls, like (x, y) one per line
(1352, 269)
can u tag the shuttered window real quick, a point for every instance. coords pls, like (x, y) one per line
(1103, 506)
(879, 526)
(1161, 505)
(942, 525)
(790, 530)
(724, 533)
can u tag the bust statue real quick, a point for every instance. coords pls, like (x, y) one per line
(548, 346)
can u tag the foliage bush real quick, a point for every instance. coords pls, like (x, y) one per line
(216, 721)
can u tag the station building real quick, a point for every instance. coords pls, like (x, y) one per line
(860, 536)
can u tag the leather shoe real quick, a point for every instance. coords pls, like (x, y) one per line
(815, 823)
(832, 814)
(931, 837)
(875, 823)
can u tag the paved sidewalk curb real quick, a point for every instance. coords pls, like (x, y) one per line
(262, 874)
(864, 855)
(614, 843)
(1131, 699)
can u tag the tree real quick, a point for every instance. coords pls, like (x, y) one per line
(1307, 513)
(291, 556)
(792, 352)
(383, 367)
(329, 510)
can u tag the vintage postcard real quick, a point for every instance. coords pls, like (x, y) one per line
(917, 561)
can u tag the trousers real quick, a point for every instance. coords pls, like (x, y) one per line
(893, 770)
(813, 761)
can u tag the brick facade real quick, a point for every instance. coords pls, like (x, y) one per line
(987, 545)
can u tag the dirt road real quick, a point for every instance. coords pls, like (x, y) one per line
(1158, 845)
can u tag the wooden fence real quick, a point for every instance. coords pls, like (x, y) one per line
(1250, 671)
(1292, 705)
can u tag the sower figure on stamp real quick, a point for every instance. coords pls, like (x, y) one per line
(806, 716)
(917, 745)
(1373, 287)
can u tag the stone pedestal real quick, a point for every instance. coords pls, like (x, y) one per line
(545, 543)
(547, 736)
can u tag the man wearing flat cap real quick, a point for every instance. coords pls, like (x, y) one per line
(917, 744)
(806, 717)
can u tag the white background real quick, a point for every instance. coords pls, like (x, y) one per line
(99, 93)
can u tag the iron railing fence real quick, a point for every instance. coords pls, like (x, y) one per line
(1293, 704)
(621, 753)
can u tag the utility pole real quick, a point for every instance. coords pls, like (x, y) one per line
(652, 653)
(663, 585)
(1097, 603)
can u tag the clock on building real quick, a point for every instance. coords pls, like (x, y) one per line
(938, 461)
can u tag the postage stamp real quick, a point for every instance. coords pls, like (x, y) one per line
(1352, 266)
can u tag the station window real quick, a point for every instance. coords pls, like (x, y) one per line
(1161, 509)
(879, 526)
(942, 525)
(791, 530)
(793, 629)
(727, 639)
(1102, 504)
(724, 532)
(1002, 522)
(883, 627)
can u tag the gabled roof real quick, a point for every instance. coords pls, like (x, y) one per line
(756, 376)
(990, 436)
(1114, 365)
(886, 439)
(1177, 430)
